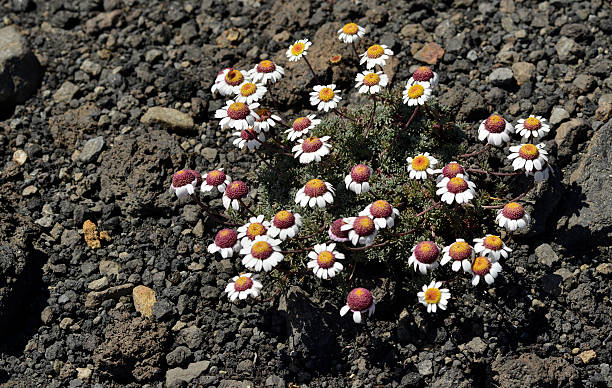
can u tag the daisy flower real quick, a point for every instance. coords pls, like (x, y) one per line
(262, 253)
(315, 192)
(460, 253)
(532, 126)
(423, 75)
(301, 126)
(255, 227)
(359, 301)
(323, 261)
(249, 92)
(233, 192)
(311, 149)
(350, 33)
(491, 246)
(450, 171)
(266, 71)
(360, 229)
(357, 180)
(424, 256)
(375, 55)
(512, 217)
(371, 82)
(482, 266)
(285, 224)
(185, 182)
(249, 138)
(382, 213)
(298, 50)
(227, 81)
(528, 156)
(242, 286)
(421, 165)
(433, 296)
(226, 243)
(335, 231)
(266, 120)
(325, 97)
(456, 189)
(237, 115)
(417, 93)
(215, 179)
(495, 129)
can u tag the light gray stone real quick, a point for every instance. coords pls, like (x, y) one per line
(20, 71)
(167, 116)
(501, 77)
(91, 149)
(558, 115)
(546, 255)
(66, 92)
(175, 377)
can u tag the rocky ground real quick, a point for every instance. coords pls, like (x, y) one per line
(79, 141)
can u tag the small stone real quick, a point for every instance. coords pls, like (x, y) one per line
(95, 298)
(153, 55)
(144, 299)
(167, 116)
(567, 49)
(198, 230)
(587, 356)
(46, 315)
(476, 345)
(210, 154)
(275, 381)
(604, 268)
(603, 112)
(176, 377)
(90, 233)
(501, 77)
(99, 284)
(64, 323)
(29, 190)
(66, 92)
(20, 71)
(546, 255)
(109, 267)
(584, 83)
(431, 53)
(558, 115)
(83, 373)
(425, 367)
(523, 71)
(90, 67)
(413, 30)
(70, 237)
(20, 157)
(91, 149)
(569, 135)
(196, 267)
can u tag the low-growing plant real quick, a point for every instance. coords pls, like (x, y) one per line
(382, 188)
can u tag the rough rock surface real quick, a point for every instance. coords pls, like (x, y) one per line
(20, 71)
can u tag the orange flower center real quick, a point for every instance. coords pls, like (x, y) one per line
(513, 211)
(326, 94)
(481, 265)
(375, 51)
(315, 188)
(234, 77)
(297, 48)
(247, 89)
(364, 226)
(243, 283)
(459, 250)
(432, 296)
(493, 243)
(261, 250)
(255, 229)
(325, 259)
(238, 111)
(532, 124)
(420, 163)
(371, 79)
(266, 66)
(350, 29)
(529, 152)
(416, 91)
(335, 59)
(456, 185)
(495, 124)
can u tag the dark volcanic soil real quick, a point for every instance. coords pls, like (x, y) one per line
(77, 149)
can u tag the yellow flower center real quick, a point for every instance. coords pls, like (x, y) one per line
(415, 91)
(494, 243)
(366, 222)
(265, 66)
(375, 51)
(242, 281)
(234, 77)
(350, 29)
(481, 265)
(256, 229)
(247, 89)
(371, 79)
(433, 296)
(315, 188)
(529, 152)
(326, 94)
(283, 215)
(325, 258)
(459, 250)
(238, 110)
(420, 163)
(532, 124)
(297, 48)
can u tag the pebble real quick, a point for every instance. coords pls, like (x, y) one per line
(109, 267)
(98, 284)
(546, 255)
(584, 83)
(167, 116)
(66, 92)
(587, 356)
(523, 71)
(29, 190)
(604, 268)
(91, 67)
(431, 53)
(70, 237)
(210, 154)
(65, 323)
(95, 298)
(20, 71)
(476, 345)
(83, 373)
(558, 115)
(144, 299)
(177, 377)
(20, 157)
(425, 367)
(501, 77)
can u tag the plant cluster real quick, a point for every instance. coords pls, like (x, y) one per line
(362, 185)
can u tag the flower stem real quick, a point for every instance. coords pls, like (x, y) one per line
(371, 119)
(312, 70)
(265, 161)
(481, 171)
(428, 209)
(246, 207)
(355, 51)
(531, 185)
(216, 216)
(484, 149)
(336, 111)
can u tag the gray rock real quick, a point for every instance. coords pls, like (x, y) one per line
(191, 336)
(178, 356)
(546, 255)
(90, 67)
(591, 215)
(162, 308)
(177, 376)
(210, 154)
(70, 237)
(529, 370)
(109, 267)
(523, 71)
(66, 92)
(91, 149)
(95, 298)
(501, 77)
(445, 30)
(568, 50)
(558, 115)
(275, 381)
(153, 55)
(245, 366)
(425, 367)
(476, 345)
(20, 71)
(22, 5)
(167, 116)
(584, 83)
(569, 135)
